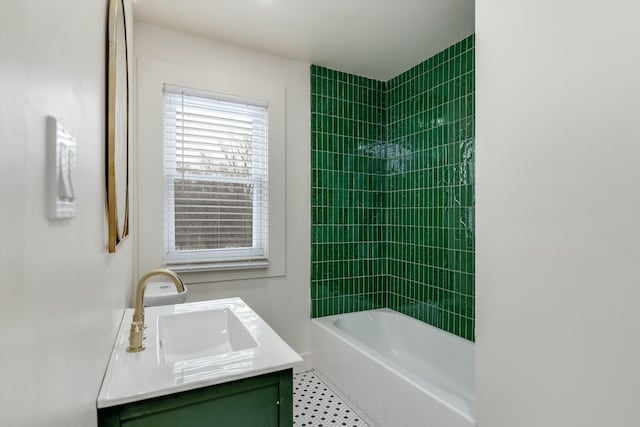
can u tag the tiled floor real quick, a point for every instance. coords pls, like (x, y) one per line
(316, 405)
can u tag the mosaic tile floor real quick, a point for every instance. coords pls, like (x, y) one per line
(316, 405)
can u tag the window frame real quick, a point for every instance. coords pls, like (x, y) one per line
(148, 199)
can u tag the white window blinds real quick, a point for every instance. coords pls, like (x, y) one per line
(215, 154)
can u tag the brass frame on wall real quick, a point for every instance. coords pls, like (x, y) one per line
(117, 233)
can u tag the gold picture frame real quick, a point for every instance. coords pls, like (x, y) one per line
(117, 156)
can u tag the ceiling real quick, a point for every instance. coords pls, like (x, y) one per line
(374, 38)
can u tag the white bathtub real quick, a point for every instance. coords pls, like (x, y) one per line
(395, 370)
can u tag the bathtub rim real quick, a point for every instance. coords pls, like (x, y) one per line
(462, 409)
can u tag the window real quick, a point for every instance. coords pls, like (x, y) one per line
(215, 171)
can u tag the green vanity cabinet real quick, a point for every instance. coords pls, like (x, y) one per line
(265, 400)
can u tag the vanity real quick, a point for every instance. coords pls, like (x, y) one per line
(204, 363)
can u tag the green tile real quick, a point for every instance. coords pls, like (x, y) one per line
(393, 191)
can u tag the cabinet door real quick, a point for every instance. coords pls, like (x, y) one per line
(262, 401)
(254, 408)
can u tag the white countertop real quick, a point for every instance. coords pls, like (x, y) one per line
(132, 377)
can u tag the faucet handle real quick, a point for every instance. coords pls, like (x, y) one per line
(136, 337)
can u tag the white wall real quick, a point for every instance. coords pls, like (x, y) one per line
(558, 205)
(61, 293)
(282, 301)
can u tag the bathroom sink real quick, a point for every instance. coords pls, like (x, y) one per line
(189, 346)
(197, 334)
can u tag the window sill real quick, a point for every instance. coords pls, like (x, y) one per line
(195, 267)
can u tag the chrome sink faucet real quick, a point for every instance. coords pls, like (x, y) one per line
(137, 324)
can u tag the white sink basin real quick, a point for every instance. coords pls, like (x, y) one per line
(196, 334)
(189, 346)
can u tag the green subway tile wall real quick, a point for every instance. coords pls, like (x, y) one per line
(430, 190)
(412, 191)
(347, 194)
